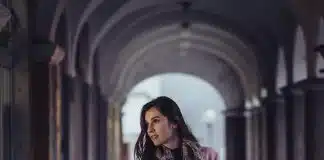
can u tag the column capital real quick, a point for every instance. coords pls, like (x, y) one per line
(234, 112)
(254, 111)
(273, 99)
(305, 85)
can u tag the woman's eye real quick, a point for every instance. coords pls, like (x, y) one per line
(155, 121)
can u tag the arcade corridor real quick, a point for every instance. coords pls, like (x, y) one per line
(66, 67)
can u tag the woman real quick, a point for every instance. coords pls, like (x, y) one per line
(165, 135)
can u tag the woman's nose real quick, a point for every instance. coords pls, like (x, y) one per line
(150, 129)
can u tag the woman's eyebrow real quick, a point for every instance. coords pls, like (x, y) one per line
(155, 117)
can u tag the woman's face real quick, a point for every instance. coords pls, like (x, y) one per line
(159, 129)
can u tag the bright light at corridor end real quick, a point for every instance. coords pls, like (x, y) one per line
(209, 116)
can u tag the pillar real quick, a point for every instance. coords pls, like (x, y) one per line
(294, 116)
(76, 120)
(255, 133)
(110, 131)
(307, 109)
(55, 119)
(274, 122)
(103, 124)
(288, 116)
(117, 132)
(114, 131)
(235, 134)
(7, 92)
(92, 124)
(43, 55)
(255, 120)
(39, 80)
(6, 104)
(280, 129)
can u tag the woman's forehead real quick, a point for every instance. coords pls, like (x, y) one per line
(152, 113)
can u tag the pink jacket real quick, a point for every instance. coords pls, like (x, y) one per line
(210, 154)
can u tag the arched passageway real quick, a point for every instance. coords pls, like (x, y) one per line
(72, 64)
(201, 104)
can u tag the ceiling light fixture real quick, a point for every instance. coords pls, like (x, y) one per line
(185, 24)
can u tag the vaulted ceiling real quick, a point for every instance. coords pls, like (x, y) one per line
(244, 36)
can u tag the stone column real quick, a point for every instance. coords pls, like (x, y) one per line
(256, 116)
(92, 125)
(5, 87)
(55, 119)
(280, 129)
(43, 55)
(295, 122)
(114, 131)
(307, 101)
(298, 122)
(254, 133)
(104, 131)
(39, 80)
(76, 121)
(274, 144)
(289, 127)
(110, 140)
(235, 134)
(117, 132)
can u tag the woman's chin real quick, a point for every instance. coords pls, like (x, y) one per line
(156, 143)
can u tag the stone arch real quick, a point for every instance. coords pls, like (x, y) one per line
(195, 39)
(82, 52)
(85, 18)
(200, 64)
(92, 6)
(48, 14)
(230, 89)
(60, 36)
(58, 16)
(157, 16)
(160, 85)
(156, 22)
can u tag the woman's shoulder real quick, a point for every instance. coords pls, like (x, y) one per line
(209, 153)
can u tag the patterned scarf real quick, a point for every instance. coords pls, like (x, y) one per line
(190, 151)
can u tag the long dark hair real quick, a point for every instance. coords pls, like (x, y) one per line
(144, 147)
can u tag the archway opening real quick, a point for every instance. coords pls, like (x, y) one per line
(299, 70)
(200, 103)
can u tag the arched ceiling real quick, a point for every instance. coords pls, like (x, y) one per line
(195, 62)
(112, 32)
(109, 23)
(257, 24)
(199, 39)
